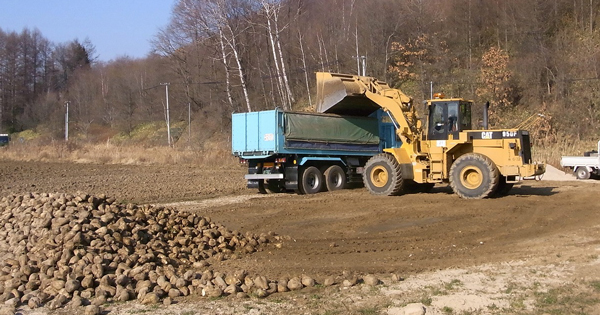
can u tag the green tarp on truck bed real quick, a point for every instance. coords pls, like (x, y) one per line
(331, 128)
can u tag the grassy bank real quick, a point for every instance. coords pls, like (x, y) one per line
(146, 145)
(212, 153)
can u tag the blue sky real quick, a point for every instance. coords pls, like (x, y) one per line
(115, 27)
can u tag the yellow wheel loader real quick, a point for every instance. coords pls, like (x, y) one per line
(442, 148)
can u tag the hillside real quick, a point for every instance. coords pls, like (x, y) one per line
(222, 56)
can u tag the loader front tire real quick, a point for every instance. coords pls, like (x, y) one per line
(474, 176)
(383, 175)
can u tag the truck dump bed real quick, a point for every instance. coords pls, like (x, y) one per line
(265, 133)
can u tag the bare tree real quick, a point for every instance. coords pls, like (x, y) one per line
(304, 67)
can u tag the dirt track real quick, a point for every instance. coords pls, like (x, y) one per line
(349, 230)
(352, 230)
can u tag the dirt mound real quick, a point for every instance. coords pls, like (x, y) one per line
(554, 174)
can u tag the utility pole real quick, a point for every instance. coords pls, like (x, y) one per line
(67, 121)
(168, 119)
(430, 90)
(361, 60)
(364, 65)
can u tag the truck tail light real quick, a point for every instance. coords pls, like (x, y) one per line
(280, 160)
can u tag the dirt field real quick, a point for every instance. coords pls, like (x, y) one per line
(534, 251)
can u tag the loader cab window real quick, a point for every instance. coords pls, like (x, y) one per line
(453, 123)
(447, 118)
(465, 116)
(437, 121)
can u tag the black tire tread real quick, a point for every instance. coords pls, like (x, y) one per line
(326, 176)
(303, 189)
(586, 173)
(503, 188)
(494, 175)
(397, 187)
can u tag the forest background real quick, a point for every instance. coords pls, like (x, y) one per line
(537, 59)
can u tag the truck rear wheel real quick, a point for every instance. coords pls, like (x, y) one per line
(335, 178)
(473, 176)
(383, 175)
(311, 181)
(582, 173)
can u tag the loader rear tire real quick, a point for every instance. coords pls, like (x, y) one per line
(503, 187)
(383, 176)
(335, 178)
(311, 181)
(474, 176)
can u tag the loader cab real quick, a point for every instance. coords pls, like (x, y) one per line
(448, 117)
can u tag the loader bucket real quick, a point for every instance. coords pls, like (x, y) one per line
(342, 94)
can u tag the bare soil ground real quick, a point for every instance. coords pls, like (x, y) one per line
(534, 251)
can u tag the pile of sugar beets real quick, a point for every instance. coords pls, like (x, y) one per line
(77, 249)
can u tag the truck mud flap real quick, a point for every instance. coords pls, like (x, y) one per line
(252, 183)
(291, 177)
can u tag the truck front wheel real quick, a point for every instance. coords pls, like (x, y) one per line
(383, 175)
(582, 173)
(474, 176)
(311, 181)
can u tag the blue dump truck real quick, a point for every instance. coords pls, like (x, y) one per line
(308, 152)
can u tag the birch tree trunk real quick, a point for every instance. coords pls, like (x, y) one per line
(305, 68)
(282, 92)
(290, 96)
(357, 54)
(233, 45)
(226, 67)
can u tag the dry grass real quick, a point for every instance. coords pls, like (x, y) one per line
(551, 153)
(145, 145)
(211, 154)
(212, 150)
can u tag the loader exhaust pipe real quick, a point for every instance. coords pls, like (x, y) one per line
(486, 109)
